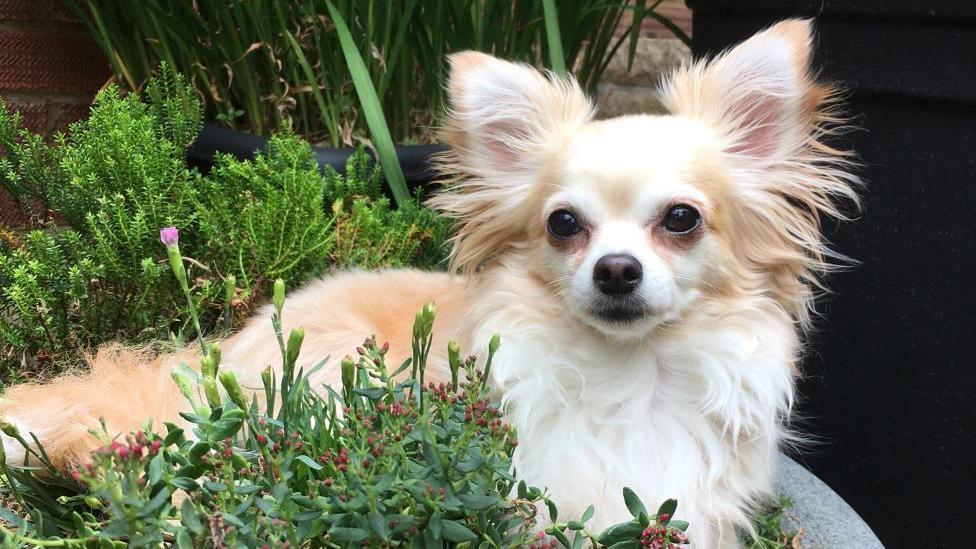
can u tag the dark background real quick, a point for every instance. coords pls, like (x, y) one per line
(889, 382)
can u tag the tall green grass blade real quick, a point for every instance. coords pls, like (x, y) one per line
(309, 76)
(557, 62)
(669, 24)
(635, 26)
(372, 110)
(241, 55)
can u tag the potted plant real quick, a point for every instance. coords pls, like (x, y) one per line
(887, 387)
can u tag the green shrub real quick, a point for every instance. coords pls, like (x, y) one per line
(91, 270)
(376, 463)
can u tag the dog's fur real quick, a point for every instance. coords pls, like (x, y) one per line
(688, 397)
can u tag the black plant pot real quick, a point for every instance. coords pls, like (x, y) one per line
(414, 159)
(891, 383)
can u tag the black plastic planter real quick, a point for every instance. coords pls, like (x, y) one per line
(891, 384)
(414, 159)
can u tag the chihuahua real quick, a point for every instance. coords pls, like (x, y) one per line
(651, 278)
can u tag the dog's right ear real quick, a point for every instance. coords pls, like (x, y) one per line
(503, 122)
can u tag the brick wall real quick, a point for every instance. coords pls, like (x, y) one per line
(50, 69)
(675, 10)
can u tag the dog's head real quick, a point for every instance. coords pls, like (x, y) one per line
(632, 219)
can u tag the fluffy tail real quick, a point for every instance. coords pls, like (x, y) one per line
(124, 387)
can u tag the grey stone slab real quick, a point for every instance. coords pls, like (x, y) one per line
(654, 57)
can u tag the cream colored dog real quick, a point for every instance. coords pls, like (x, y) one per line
(650, 276)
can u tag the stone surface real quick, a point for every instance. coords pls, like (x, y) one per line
(622, 100)
(828, 522)
(654, 57)
(623, 92)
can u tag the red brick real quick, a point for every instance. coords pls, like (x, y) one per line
(674, 10)
(46, 116)
(10, 214)
(50, 60)
(35, 10)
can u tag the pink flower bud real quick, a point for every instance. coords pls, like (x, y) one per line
(170, 236)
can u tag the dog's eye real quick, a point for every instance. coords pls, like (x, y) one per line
(682, 219)
(563, 224)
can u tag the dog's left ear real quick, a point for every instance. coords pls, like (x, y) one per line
(760, 95)
(771, 115)
(503, 122)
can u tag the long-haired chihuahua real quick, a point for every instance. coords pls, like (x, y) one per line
(651, 278)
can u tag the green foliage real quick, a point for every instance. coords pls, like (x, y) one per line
(772, 530)
(91, 268)
(266, 66)
(383, 461)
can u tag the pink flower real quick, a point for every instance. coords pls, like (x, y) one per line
(170, 236)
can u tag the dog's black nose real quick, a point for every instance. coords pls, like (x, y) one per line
(617, 274)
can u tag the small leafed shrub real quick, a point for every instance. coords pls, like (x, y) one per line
(376, 463)
(90, 268)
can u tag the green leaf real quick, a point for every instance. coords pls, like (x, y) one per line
(435, 525)
(561, 538)
(155, 469)
(371, 393)
(161, 497)
(588, 514)
(634, 504)
(173, 436)
(679, 525)
(377, 522)
(347, 534)
(668, 508)
(553, 511)
(183, 540)
(232, 519)
(311, 463)
(215, 486)
(430, 455)
(372, 109)
(478, 503)
(471, 463)
(557, 61)
(190, 517)
(226, 426)
(185, 483)
(457, 532)
(620, 532)
(198, 449)
(629, 544)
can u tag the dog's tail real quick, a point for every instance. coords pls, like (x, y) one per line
(124, 388)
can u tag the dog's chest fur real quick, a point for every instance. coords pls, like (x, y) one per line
(693, 412)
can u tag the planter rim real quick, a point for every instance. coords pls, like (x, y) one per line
(827, 520)
(415, 160)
